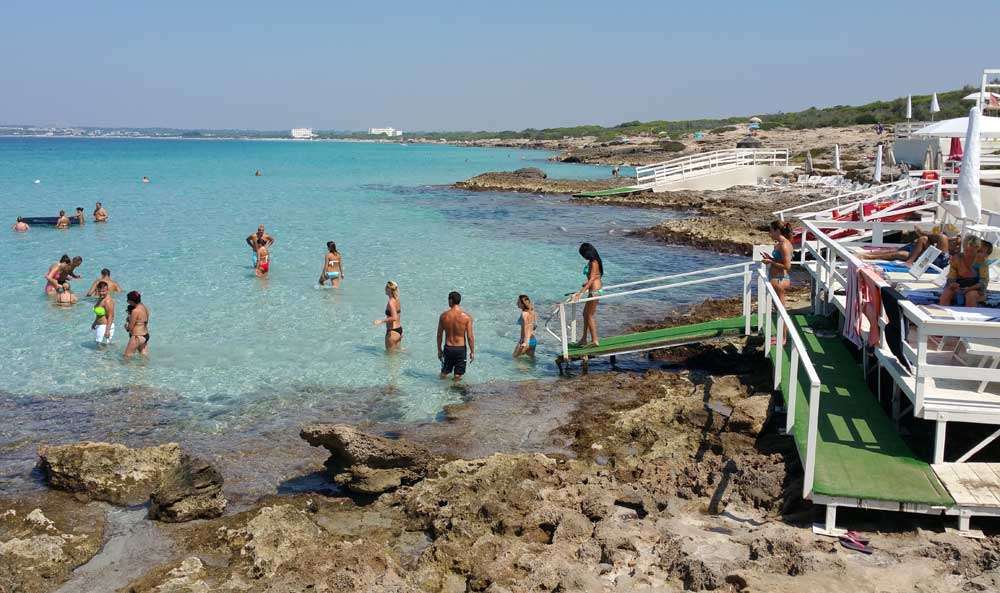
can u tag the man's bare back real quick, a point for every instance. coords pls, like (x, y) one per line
(459, 341)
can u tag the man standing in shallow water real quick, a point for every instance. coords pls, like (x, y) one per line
(259, 237)
(455, 325)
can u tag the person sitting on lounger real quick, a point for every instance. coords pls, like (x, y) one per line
(911, 252)
(968, 275)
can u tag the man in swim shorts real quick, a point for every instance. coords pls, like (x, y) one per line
(258, 237)
(20, 226)
(113, 286)
(100, 214)
(104, 316)
(455, 326)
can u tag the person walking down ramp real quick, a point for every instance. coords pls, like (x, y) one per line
(455, 328)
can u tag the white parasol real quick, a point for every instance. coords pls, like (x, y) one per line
(909, 106)
(756, 120)
(989, 127)
(934, 106)
(836, 157)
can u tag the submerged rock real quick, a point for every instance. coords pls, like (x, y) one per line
(192, 490)
(108, 471)
(366, 463)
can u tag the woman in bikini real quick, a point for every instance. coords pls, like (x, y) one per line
(968, 275)
(393, 322)
(52, 283)
(593, 271)
(263, 259)
(137, 326)
(527, 321)
(779, 263)
(333, 266)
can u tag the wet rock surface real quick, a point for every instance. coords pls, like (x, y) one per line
(191, 490)
(529, 180)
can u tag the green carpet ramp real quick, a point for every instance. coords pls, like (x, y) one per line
(859, 453)
(648, 340)
(615, 191)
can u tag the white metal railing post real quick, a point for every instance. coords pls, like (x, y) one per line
(810, 469)
(746, 300)
(562, 328)
(767, 324)
(760, 302)
(793, 386)
(776, 359)
(572, 324)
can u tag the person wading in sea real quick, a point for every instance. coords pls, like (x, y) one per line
(104, 316)
(100, 214)
(258, 237)
(20, 226)
(455, 326)
(63, 221)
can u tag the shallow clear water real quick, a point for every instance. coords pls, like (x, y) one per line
(227, 346)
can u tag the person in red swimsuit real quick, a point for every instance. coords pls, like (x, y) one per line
(263, 259)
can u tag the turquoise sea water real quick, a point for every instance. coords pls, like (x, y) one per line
(225, 345)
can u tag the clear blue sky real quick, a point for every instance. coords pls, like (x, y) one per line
(472, 65)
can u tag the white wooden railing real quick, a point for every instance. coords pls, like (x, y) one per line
(708, 163)
(904, 190)
(905, 129)
(566, 311)
(769, 304)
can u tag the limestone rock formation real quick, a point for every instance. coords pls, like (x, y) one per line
(192, 490)
(108, 471)
(365, 463)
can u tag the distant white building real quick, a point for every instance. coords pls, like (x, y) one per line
(303, 133)
(387, 131)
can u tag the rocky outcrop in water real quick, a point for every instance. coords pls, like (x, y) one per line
(108, 471)
(178, 486)
(535, 181)
(367, 464)
(192, 490)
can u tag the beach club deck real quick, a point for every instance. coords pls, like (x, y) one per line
(845, 416)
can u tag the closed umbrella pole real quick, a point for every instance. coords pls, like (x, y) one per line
(928, 159)
(836, 157)
(934, 106)
(969, 191)
(809, 162)
(877, 175)
(909, 106)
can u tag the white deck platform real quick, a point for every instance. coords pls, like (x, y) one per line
(971, 484)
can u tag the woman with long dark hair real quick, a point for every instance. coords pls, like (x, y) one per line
(593, 271)
(779, 261)
(137, 325)
(333, 266)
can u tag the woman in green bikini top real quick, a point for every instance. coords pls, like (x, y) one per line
(594, 273)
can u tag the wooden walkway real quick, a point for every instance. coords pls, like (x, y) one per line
(662, 338)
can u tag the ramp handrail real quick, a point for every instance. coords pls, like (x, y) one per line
(567, 330)
(904, 189)
(705, 163)
(768, 301)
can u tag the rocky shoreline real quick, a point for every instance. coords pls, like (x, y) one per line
(658, 481)
(534, 180)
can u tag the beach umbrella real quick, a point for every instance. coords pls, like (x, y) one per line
(809, 162)
(934, 106)
(909, 106)
(928, 159)
(989, 127)
(890, 154)
(836, 157)
(756, 120)
(969, 191)
(975, 97)
(877, 175)
(955, 150)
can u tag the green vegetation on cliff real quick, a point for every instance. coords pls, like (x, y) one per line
(887, 112)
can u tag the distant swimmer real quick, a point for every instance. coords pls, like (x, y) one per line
(392, 320)
(263, 264)
(20, 226)
(105, 278)
(104, 315)
(333, 266)
(593, 272)
(528, 322)
(257, 237)
(145, 179)
(100, 214)
(257, 174)
(52, 276)
(455, 327)
(80, 217)
(63, 221)
(137, 326)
